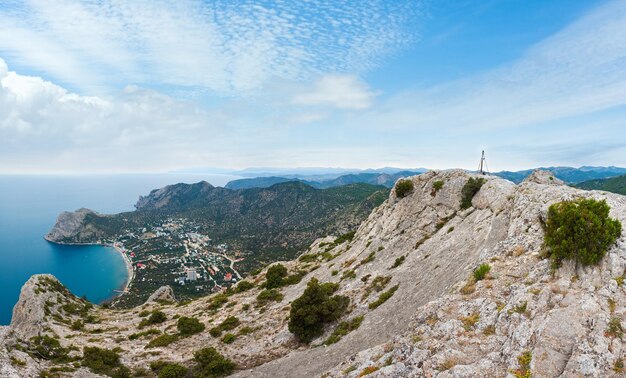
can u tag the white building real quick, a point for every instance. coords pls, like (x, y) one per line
(192, 275)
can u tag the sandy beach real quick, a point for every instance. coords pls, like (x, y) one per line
(129, 269)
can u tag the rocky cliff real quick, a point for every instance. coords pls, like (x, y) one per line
(72, 227)
(407, 273)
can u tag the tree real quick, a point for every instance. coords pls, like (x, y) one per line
(173, 371)
(403, 187)
(274, 276)
(314, 308)
(101, 361)
(471, 187)
(189, 326)
(581, 230)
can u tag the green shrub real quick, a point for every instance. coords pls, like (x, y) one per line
(77, 325)
(210, 363)
(218, 301)
(437, 185)
(377, 284)
(156, 317)
(165, 369)
(228, 338)
(172, 370)
(580, 230)
(229, 323)
(315, 307)
(156, 366)
(348, 274)
(246, 330)
(295, 278)
(471, 187)
(481, 272)
(308, 258)
(189, 326)
(267, 296)
(347, 237)
(215, 331)
(243, 286)
(371, 257)
(523, 360)
(383, 297)
(161, 341)
(102, 361)
(403, 187)
(615, 328)
(398, 262)
(343, 329)
(47, 348)
(274, 276)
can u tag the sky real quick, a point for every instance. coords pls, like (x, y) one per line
(111, 86)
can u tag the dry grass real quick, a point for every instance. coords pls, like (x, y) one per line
(489, 330)
(367, 371)
(470, 321)
(469, 288)
(448, 363)
(518, 251)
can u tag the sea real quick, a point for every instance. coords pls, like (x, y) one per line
(29, 206)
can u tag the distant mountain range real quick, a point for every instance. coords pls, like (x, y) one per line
(385, 179)
(613, 184)
(388, 176)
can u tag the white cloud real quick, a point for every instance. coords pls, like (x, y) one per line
(4, 69)
(225, 47)
(569, 90)
(339, 91)
(579, 70)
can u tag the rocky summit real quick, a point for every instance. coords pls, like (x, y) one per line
(415, 305)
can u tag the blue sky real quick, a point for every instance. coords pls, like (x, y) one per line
(149, 86)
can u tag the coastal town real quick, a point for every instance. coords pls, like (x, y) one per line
(174, 252)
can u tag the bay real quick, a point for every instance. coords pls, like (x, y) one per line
(29, 206)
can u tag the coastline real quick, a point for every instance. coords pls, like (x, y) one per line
(130, 276)
(130, 273)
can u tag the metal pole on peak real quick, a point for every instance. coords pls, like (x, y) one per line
(482, 167)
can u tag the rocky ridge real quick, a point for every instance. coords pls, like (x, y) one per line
(426, 247)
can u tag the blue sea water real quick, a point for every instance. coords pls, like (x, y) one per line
(29, 206)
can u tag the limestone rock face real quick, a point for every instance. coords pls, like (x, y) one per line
(543, 177)
(560, 319)
(29, 314)
(162, 294)
(6, 368)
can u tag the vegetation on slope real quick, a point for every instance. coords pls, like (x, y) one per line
(613, 185)
(314, 308)
(471, 187)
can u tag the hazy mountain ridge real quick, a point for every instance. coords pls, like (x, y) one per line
(385, 179)
(390, 176)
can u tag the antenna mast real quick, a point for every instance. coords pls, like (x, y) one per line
(482, 167)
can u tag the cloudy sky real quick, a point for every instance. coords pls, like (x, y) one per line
(153, 86)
